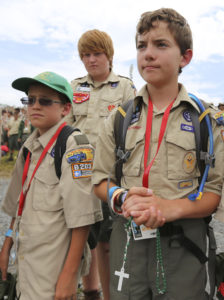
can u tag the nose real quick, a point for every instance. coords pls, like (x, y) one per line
(92, 57)
(36, 104)
(150, 52)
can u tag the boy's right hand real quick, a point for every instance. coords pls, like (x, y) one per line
(4, 262)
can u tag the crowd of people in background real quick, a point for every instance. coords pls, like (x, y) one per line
(15, 129)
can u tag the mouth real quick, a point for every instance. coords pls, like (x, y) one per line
(36, 116)
(150, 67)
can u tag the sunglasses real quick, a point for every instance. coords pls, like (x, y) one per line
(42, 101)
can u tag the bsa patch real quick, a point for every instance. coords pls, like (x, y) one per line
(80, 155)
(187, 116)
(53, 152)
(185, 184)
(114, 84)
(189, 162)
(80, 97)
(81, 161)
(222, 134)
(186, 127)
(110, 107)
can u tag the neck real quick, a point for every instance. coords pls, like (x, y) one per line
(101, 77)
(161, 97)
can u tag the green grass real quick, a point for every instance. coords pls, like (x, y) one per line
(6, 166)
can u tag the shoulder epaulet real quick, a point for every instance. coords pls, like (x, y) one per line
(81, 139)
(125, 77)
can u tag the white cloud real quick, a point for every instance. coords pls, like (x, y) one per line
(57, 25)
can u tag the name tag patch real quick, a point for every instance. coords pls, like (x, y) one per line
(81, 161)
(83, 89)
(186, 127)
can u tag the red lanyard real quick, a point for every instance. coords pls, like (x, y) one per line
(26, 168)
(148, 137)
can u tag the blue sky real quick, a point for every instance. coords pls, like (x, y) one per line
(42, 35)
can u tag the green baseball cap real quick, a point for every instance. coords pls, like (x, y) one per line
(50, 79)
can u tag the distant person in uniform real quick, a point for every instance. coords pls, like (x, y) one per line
(159, 175)
(13, 133)
(50, 224)
(95, 96)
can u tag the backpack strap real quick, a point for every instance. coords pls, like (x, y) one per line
(60, 147)
(122, 121)
(25, 153)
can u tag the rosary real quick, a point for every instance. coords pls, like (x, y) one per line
(159, 265)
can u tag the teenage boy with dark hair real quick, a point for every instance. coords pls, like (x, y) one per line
(159, 175)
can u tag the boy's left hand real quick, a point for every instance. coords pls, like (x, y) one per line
(148, 209)
(65, 287)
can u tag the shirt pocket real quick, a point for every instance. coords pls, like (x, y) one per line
(135, 144)
(109, 103)
(46, 195)
(181, 156)
(80, 109)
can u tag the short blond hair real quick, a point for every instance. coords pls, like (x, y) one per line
(96, 41)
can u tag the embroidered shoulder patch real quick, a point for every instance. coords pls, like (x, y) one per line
(81, 161)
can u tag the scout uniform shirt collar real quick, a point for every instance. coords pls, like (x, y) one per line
(87, 79)
(182, 96)
(36, 140)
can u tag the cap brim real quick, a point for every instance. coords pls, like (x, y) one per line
(23, 83)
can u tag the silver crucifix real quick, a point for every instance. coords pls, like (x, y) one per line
(121, 275)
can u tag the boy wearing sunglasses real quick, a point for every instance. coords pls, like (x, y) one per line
(50, 216)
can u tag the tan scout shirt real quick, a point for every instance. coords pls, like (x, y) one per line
(93, 102)
(174, 173)
(14, 126)
(52, 208)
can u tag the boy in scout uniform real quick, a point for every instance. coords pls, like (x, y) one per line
(95, 96)
(159, 175)
(50, 215)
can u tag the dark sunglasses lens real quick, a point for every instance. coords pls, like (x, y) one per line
(45, 102)
(25, 101)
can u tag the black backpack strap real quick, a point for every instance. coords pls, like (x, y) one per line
(122, 121)
(60, 147)
(25, 153)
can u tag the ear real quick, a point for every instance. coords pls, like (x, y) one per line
(186, 58)
(66, 109)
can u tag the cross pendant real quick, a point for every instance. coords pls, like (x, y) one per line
(121, 275)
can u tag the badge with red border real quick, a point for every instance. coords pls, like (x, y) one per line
(80, 97)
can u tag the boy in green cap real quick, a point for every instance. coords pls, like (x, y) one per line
(49, 224)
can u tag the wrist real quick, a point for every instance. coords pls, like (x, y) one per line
(117, 199)
(9, 233)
